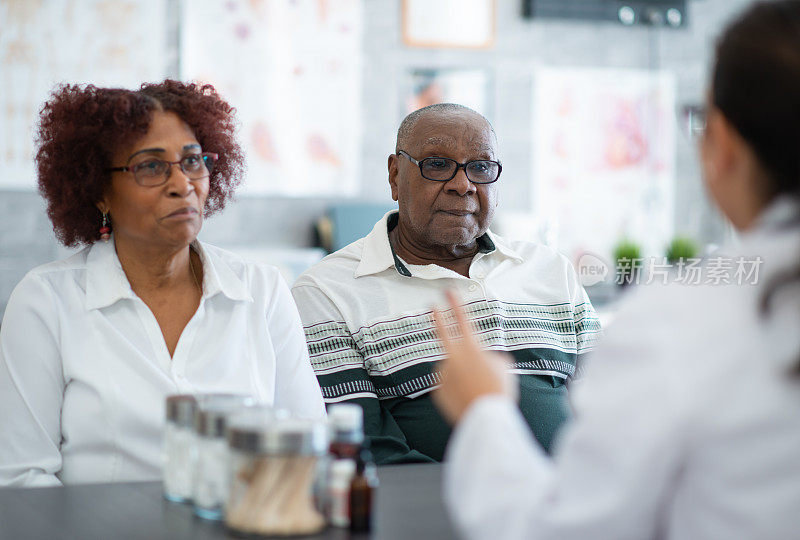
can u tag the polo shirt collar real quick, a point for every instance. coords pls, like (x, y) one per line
(106, 282)
(378, 254)
(501, 247)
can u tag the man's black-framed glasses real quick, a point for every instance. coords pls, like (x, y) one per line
(442, 169)
(153, 171)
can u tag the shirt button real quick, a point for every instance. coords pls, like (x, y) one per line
(480, 275)
(472, 288)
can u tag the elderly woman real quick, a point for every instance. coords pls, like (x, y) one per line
(91, 345)
(691, 429)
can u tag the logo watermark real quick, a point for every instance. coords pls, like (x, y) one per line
(593, 269)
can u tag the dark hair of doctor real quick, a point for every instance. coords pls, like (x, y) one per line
(756, 86)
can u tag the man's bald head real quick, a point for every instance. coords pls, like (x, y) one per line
(409, 122)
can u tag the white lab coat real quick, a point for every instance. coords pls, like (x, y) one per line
(687, 425)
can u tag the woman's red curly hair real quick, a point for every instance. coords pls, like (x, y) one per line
(81, 127)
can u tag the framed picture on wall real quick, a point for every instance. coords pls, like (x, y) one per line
(466, 24)
(466, 86)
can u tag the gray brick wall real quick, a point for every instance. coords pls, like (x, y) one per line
(26, 239)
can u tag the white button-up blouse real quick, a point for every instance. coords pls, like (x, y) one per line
(84, 369)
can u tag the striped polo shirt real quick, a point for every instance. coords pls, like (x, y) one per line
(368, 322)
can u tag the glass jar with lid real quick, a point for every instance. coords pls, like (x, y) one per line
(210, 479)
(179, 447)
(273, 466)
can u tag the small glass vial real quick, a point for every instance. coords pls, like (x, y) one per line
(210, 486)
(272, 468)
(179, 446)
(362, 489)
(346, 421)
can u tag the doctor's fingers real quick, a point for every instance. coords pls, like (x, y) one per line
(458, 337)
(464, 325)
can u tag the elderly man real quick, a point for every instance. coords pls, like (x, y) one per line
(367, 308)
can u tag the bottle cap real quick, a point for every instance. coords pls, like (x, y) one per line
(213, 410)
(278, 435)
(346, 417)
(181, 409)
(363, 459)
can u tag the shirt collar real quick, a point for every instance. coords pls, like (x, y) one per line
(781, 213)
(378, 255)
(219, 277)
(106, 282)
(500, 247)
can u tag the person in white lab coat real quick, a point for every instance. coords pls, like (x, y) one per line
(90, 346)
(688, 423)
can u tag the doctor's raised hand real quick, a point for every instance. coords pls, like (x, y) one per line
(468, 372)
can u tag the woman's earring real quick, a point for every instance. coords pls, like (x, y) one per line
(104, 228)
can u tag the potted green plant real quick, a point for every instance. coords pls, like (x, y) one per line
(680, 249)
(628, 261)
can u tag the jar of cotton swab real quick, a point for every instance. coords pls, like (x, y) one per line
(272, 465)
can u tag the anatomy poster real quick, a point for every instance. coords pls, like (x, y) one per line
(297, 98)
(46, 42)
(604, 158)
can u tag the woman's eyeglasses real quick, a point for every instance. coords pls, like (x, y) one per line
(153, 172)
